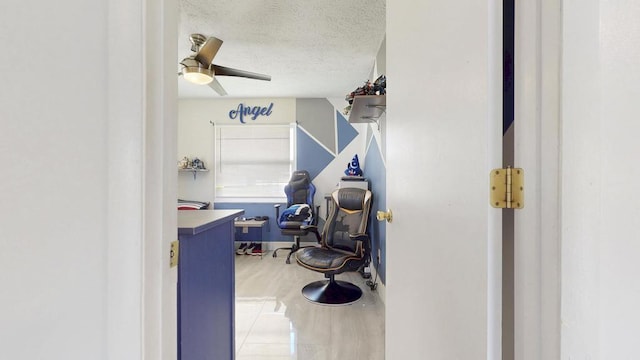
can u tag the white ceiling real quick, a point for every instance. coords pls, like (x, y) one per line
(311, 48)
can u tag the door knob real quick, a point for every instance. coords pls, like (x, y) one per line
(381, 215)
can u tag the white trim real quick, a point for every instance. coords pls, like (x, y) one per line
(160, 216)
(251, 200)
(537, 236)
(250, 124)
(141, 141)
(381, 289)
(494, 218)
(272, 245)
(336, 140)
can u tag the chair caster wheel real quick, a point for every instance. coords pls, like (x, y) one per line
(372, 285)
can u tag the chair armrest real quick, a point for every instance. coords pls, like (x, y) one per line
(359, 237)
(363, 243)
(277, 207)
(314, 230)
(316, 215)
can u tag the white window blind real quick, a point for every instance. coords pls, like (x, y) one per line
(253, 161)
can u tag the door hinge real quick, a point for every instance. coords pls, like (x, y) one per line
(507, 188)
(174, 254)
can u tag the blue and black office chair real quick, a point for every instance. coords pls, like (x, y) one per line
(300, 210)
(344, 246)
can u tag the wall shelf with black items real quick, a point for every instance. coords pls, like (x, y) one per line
(194, 171)
(367, 109)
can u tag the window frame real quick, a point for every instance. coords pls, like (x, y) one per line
(254, 198)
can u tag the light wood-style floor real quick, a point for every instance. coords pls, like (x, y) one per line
(274, 321)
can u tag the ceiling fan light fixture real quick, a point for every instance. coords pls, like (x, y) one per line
(198, 74)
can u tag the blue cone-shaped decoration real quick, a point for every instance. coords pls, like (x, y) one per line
(353, 168)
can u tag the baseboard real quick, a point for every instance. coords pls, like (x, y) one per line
(380, 288)
(272, 245)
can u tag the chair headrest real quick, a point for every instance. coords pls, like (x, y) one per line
(351, 198)
(300, 179)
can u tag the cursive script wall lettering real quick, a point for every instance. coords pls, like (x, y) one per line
(246, 111)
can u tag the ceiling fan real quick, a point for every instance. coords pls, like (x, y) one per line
(199, 69)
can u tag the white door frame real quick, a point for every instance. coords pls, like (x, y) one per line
(141, 139)
(537, 226)
(142, 115)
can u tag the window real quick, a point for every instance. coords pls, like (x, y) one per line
(253, 161)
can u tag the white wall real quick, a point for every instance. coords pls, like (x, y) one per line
(53, 187)
(196, 136)
(600, 192)
(76, 122)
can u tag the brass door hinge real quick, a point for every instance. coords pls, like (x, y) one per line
(507, 188)
(174, 254)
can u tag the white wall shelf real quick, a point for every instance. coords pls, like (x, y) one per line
(194, 171)
(368, 108)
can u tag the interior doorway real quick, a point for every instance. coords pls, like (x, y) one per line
(508, 133)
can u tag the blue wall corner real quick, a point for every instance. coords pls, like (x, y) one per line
(375, 171)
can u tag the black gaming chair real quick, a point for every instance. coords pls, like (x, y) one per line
(344, 246)
(299, 212)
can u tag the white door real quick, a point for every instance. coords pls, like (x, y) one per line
(443, 137)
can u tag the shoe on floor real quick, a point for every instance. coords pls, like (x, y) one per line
(257, 250)
(242, 249)
(250, 248)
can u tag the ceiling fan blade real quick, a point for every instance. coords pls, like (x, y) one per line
(217, 87)
(208, 50)
(225, 71)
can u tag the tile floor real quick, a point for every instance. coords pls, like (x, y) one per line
(274, 321)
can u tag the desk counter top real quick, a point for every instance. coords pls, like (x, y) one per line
(250, 223)
(191, 222)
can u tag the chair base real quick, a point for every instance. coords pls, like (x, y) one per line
(291, 249)
(332, 292)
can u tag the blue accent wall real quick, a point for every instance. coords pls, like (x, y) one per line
(310, 155)
(346, 132)
(376, 172)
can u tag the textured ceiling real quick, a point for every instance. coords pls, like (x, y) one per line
(311, 48)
